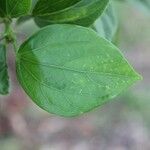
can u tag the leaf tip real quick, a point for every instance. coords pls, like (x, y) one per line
(139, 77)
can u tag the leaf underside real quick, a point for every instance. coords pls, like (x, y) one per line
(68, 70)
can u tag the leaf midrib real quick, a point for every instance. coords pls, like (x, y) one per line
(79, 71)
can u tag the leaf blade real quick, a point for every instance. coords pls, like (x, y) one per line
(72, 71)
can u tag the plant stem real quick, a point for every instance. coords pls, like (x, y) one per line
(15, 45)
(10, 36)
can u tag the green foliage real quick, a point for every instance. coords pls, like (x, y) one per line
(65, 68)
(3, 71)
(14, 8)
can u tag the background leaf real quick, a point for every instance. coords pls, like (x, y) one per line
(14, 8)
(4, 85)
(68, 70)
(81, 12)
(107, 24)
(144, 5)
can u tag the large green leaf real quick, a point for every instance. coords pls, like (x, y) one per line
(81, 12)
(14, 8)
(4, 85)
(106, 25)
(68, 70)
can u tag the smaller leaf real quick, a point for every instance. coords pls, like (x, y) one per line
(81, 12)
(4, 84)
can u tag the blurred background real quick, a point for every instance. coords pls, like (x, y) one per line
(122, 124)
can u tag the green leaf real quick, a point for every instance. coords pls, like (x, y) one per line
(81, 12)
(14, 8)
(107, 24)
(4, 85)
(68, 70)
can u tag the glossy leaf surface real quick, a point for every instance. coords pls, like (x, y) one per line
(81, 12)
(68, 70)
(4, 85)
(14, 8)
